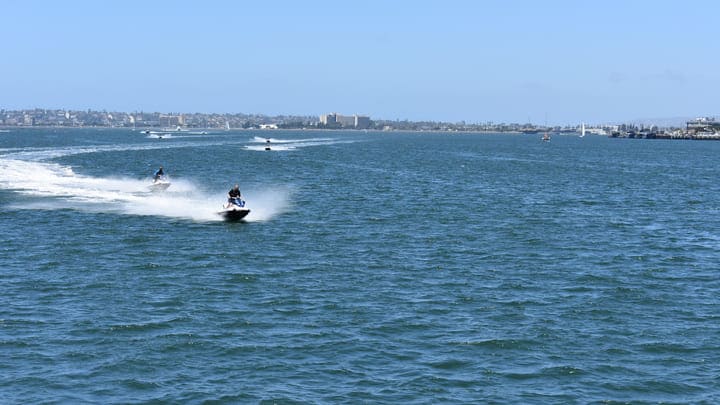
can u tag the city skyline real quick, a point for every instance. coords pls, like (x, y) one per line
(557, 62)
(168, 121)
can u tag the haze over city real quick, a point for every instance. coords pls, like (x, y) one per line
(558, 61)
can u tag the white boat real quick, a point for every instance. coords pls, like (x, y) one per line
(582, 130)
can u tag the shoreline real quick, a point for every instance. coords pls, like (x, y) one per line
(158, 130)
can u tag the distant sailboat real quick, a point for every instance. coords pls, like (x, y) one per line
(582, 130)
(227, 125)
(546, 135)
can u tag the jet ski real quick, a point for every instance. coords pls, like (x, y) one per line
(234, 211)
(160, 184)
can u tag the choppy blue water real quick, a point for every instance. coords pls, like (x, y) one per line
(374, 267)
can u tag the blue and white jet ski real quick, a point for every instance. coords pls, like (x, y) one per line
(234, 210)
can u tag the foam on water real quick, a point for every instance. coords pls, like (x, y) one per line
(39, 154)
(42, 154)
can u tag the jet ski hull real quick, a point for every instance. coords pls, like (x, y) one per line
(234, 214)
(159, 186)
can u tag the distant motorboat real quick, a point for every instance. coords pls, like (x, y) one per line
(546, 137)
(158, 135)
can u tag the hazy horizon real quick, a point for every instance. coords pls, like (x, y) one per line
(559, 62)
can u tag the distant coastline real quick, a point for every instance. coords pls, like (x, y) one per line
(700, 128)
(217, 130)
(62, 118)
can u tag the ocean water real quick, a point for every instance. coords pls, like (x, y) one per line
(413, 268)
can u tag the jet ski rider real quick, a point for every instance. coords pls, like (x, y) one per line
(159, 174)
(234, 196)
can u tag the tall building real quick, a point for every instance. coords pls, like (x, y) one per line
(328, 119)
(171, 120)
(362, 121)
(346, 121)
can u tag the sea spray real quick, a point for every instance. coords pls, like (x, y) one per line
(267, 203)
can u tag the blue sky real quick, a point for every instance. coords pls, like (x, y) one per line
(500, 61)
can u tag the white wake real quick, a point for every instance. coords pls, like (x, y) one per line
(51, 186)
(277, 144)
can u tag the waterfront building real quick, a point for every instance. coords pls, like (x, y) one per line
(328, 119)
(171, 120)
(362, 121)
(346, 121)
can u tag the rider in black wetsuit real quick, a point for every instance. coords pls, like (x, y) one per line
(234, 196)
(159, 174)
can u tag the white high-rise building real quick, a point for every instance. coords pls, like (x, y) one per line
(346, 121)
